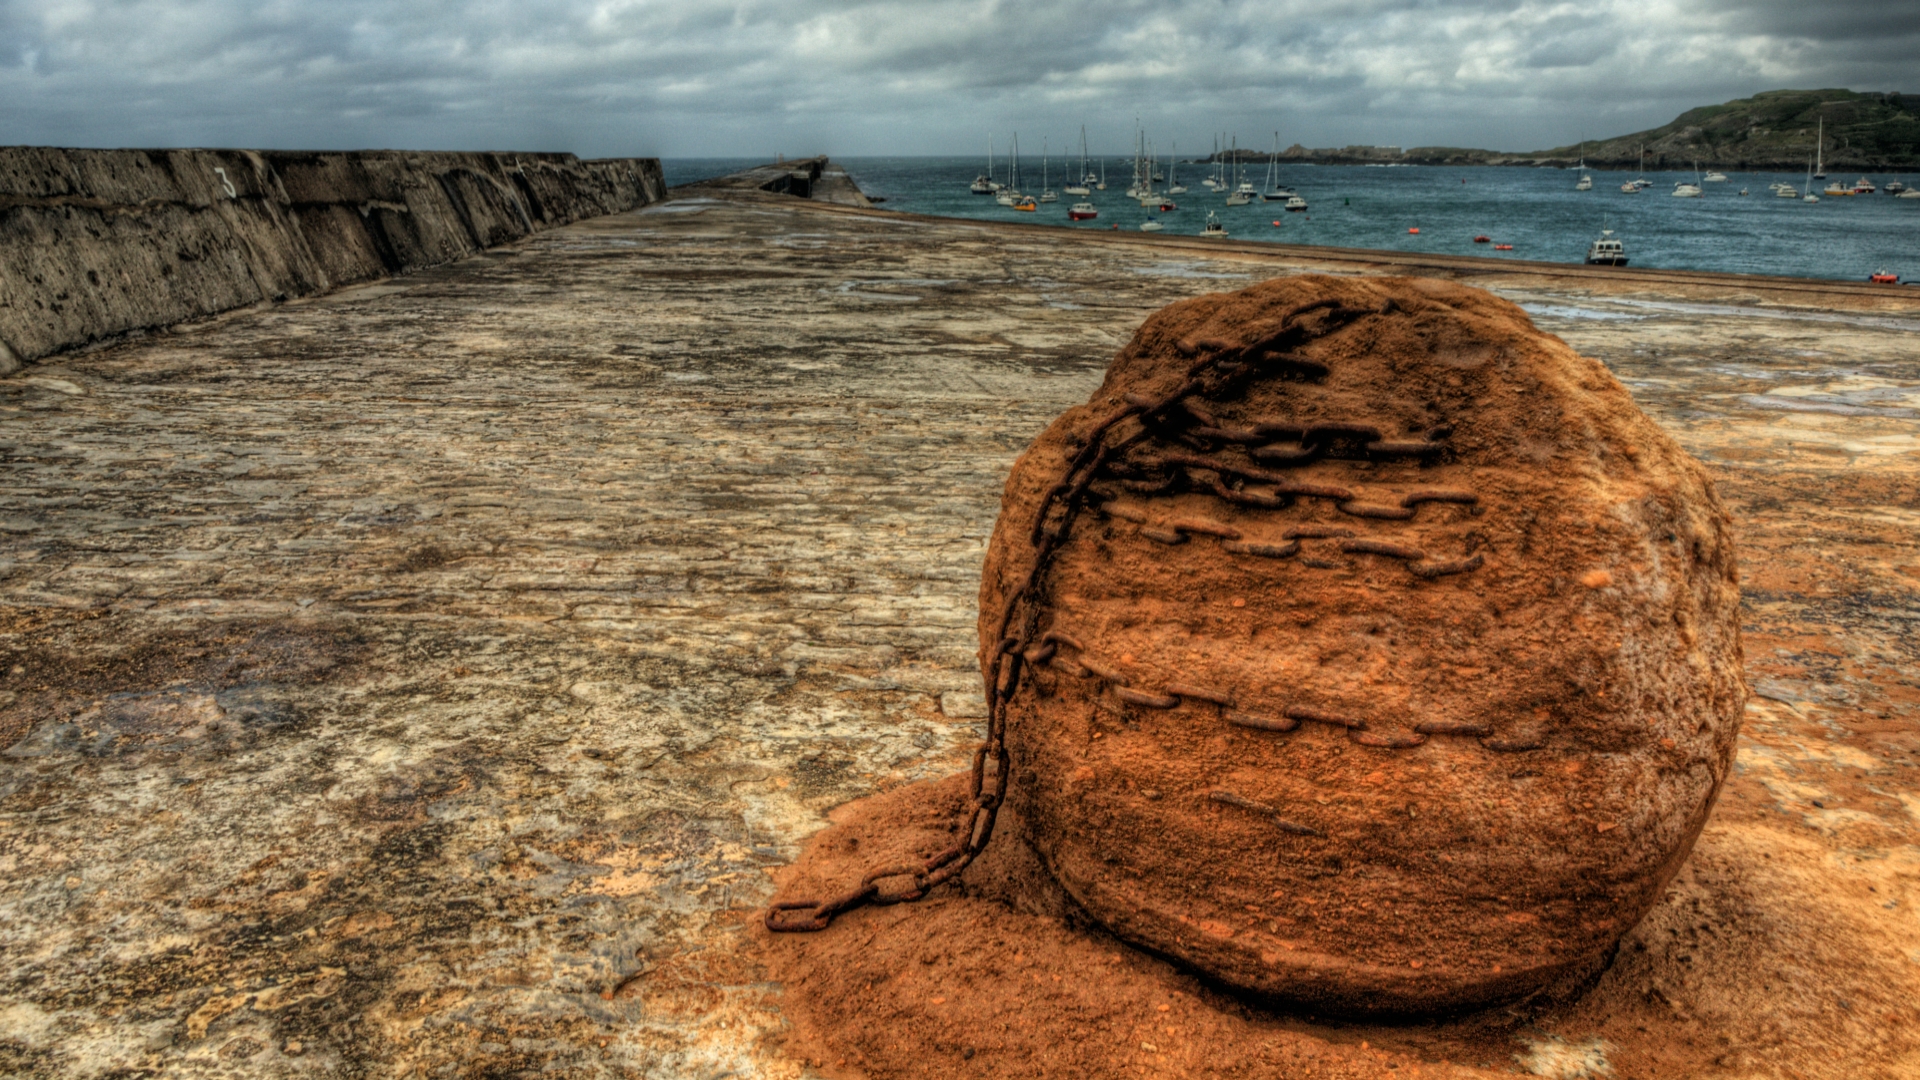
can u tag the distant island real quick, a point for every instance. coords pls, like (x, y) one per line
(1771, 131)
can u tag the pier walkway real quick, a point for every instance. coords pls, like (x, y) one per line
(422, 679)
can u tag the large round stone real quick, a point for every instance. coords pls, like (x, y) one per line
(1394, 666)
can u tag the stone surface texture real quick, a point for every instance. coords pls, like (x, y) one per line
(1390, 610)
(99, 243)
(422, 679)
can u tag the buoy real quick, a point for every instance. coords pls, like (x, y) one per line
(1413, 230)
(1276, 224)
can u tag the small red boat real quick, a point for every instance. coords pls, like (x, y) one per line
(1882, 277)
(1503, 247)
(1082, 211)
(1483, 239)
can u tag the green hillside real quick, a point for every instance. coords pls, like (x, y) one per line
(1771, 130)
(1775, 130)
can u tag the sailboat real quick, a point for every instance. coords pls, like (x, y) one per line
(1819, 151)
(1174, 186)
(1685, 190)
(1209, 182)
(1586, 179)
(1810, 197)
(1046, 189)
(983, 184)
(1080, 188)
(1274, 192)
(1243, 192)
(1010, 194)
(1102, 185)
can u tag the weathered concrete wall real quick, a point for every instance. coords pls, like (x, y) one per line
(95, 243)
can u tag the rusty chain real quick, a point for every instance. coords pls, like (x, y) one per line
(1226, 362)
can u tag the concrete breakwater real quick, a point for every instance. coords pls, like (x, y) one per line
(98, 243)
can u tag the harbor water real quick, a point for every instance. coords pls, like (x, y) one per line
(1536, 210)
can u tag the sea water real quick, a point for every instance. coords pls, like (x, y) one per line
(1536, 210)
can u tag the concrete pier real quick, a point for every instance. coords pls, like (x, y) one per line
(421, 679)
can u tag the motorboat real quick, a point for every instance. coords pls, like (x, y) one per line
(1836, 190)
(1630, 188)
(1296, 204)
(1026, 204)
(1238, 198)
(1082, 211)
(1910, 193)
(1213, 228)
(1685, 190)
(1895, 188)
(1150, 225)
(1607, 251)
(1585, 183)
(1743, 191)
(1864, 186)
(1715, 177)
(1786, 191)
(1006, 196)
(1483, 239)
(1884, 277)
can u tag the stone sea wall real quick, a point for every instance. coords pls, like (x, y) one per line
(97, 243)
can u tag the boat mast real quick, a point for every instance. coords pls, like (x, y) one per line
(1819, 151)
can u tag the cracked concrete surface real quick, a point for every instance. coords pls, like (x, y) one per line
(421, 679)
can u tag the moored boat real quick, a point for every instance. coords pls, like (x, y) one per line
(1150, 225)
(1864, 186)
(1884, 277)
(1213, 228)
(1715, 177)
(1607, 251)
(1296, 204)
(1082, 211)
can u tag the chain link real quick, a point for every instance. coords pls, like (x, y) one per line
(1226, 362)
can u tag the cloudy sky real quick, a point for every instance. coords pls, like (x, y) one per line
(682, 78)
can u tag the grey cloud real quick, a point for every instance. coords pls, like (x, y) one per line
(689, 77)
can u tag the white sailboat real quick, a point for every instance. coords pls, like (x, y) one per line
(1684, 190)
(1810, 196)
(1046, 189)
(1274, 192)
(1081, 188)
(1009, 195)
(1209, 182)
(983, 184)
(1819, 152)
(1174, 186)
(1586, 179)
(1242, 192)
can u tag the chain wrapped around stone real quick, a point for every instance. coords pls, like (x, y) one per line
(1225, 362)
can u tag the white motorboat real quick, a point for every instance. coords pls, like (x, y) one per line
(1213, 228)
(1150, 225)
(1685, 190)
(1296, 204)
(1864, 186)
(1715, 177)
(1786, 191)
(1607, 251)
(1895, 187)
(1910, 193)
(1082, 211)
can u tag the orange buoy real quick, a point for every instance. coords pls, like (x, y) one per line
(1413, 230)
(1276, 224)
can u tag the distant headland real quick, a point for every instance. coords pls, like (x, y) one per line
(1773, 130)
